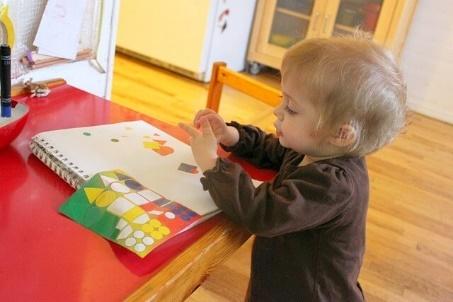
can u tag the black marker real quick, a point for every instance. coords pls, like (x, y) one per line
(5, 79)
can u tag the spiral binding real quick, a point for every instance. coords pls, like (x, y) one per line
(68, 174)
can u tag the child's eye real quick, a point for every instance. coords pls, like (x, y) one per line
(286, 100)
(289, 110)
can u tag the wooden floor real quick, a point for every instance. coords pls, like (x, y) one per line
(409, 255)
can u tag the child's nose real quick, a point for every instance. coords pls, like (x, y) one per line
(278, 111)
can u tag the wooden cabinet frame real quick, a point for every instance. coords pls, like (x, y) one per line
(391, 28)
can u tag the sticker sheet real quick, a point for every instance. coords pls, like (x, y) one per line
(121, 209)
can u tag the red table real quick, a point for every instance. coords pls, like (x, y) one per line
(46, 256)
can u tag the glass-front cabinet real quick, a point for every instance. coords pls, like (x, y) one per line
(281, 23)
(353, 14)
(290, 22)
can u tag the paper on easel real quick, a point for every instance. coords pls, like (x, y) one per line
(59, 31)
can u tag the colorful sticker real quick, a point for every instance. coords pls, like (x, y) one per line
(158, 146)
(119, 208)
(188, 168)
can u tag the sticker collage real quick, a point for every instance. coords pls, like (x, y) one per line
(119, 208)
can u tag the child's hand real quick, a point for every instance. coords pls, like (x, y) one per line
(225, 135)
(204, 144)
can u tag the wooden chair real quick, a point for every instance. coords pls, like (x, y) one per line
(221, 75)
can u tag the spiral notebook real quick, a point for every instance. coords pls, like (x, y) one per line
(123, 154)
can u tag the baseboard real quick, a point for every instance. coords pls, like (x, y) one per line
(437, 113)
(199, 76)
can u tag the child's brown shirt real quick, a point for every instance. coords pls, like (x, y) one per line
(309, 221)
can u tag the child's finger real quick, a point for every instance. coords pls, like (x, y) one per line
(206, 129)
(200, 114)
(189, 129)
(213, 119)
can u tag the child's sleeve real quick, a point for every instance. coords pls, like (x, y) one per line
(254, 145)
(309, 198)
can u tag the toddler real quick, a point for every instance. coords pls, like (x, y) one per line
(343, 98)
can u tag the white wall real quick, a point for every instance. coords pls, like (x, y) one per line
(427, 59)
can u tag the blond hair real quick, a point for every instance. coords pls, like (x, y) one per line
(352, 80)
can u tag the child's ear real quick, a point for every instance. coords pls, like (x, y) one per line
(345, 136)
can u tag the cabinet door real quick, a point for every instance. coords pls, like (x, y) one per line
(283, 23)
(373, 16)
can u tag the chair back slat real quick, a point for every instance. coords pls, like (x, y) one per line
(221, 75)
